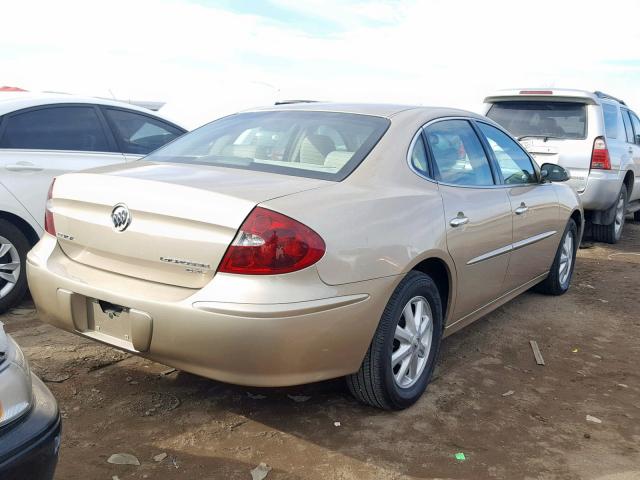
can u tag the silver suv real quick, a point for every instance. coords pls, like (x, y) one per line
(594, 136)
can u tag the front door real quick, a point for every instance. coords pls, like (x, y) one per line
(477, 214)
(534, 208)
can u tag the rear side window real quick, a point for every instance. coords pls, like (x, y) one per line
(321, 145)
(610, 113)
(459, 158)
(546, 119)
(628, 129)
(56, 128)
(419, 156)
(140, 134)
(514, 164)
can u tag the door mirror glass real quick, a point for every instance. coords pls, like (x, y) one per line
(551, 172)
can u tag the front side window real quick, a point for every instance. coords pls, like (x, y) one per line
(628, 129)
(545, 119)
(56, 128)
(140, 134)
(636, 127)
(458, 156)
(610, 113)
(321, 145)
(514, 163)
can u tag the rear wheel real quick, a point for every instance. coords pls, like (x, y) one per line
(13, 252)
(559, 278)
(611, 233)
(402, 355)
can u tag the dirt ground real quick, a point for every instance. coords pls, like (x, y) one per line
(590, 339)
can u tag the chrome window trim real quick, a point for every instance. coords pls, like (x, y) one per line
(473, 119)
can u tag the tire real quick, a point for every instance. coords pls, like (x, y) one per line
(558, 280)
(375, 383)
(611, 233)
(14, 247)
(636, 216)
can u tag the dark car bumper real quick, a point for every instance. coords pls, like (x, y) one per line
(29, 448)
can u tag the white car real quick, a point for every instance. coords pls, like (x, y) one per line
(46, 135)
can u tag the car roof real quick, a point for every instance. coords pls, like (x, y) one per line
(12, 101)
(375, 109)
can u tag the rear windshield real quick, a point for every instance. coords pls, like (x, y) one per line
(541, 118)
(320, 145)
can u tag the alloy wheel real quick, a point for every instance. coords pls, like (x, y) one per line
(9, 267)
(412, 342)
(566, 259)
(619, 220)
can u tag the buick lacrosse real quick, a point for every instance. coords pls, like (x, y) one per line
(305, 242)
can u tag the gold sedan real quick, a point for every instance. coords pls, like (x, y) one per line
(304, 242)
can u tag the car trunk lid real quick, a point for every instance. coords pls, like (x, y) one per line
(182, 217)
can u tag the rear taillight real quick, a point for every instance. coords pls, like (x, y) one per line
(49, 226)
(600, 155)
(269, 243)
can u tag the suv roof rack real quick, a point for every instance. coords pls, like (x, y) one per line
(289, 102)
(600, 94)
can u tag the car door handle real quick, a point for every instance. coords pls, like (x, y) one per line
(23, 167)
(459, 220)
(521, 209)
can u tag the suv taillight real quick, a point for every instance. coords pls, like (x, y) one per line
(600, 155)
(269, 243)
(49, 226)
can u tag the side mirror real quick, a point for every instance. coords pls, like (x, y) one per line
(638, 139)
(551, 172)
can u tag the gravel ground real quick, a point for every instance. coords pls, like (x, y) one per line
(114, 403)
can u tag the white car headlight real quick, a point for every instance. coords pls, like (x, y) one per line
(15, 380)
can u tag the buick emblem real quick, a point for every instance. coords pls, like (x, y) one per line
(121, 217)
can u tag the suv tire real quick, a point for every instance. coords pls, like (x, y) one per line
(384, 384)
(559, 280)
(13, 247)
(611, 233)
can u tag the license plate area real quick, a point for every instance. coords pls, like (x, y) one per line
(109, 319)
(123, 327)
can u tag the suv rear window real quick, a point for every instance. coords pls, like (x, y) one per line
(320, 145)
(541, 118)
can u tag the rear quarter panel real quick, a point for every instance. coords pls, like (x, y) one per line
(370, 232)
(380, 221)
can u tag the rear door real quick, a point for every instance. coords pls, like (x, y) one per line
(534, 209)
(39, 143)
(138, 134)
(477, 212)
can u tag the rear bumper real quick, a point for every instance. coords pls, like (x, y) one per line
(602, 189)
(29, 448)
(246, 340)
